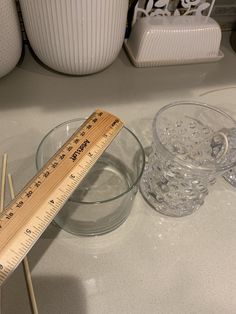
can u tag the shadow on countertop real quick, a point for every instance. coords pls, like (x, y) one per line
(54, 295)
(32, 85)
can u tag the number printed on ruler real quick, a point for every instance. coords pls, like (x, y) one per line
(29, 214)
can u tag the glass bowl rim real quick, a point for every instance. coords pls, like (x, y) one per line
(186, 103)
(135, 183)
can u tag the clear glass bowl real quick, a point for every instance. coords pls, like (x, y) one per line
(104, 198)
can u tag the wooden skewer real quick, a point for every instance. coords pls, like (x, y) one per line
(25, 261)
(30, 285)
(3, 183)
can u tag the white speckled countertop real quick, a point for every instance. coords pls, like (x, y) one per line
(151, 264)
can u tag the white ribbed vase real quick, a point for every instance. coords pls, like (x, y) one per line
(10, 37)
(75, 36)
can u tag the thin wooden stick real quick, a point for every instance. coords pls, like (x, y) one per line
(11, 186)
(2, 193)
(3, 183)
(25, 261)
(30, 285)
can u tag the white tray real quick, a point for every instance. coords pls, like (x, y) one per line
(147, 63)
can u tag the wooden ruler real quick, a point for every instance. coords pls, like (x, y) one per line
(29, 214)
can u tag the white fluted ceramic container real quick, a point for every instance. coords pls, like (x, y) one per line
(78, 36)
(10, 37)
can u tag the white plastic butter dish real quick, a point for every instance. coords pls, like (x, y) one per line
(169, 40)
